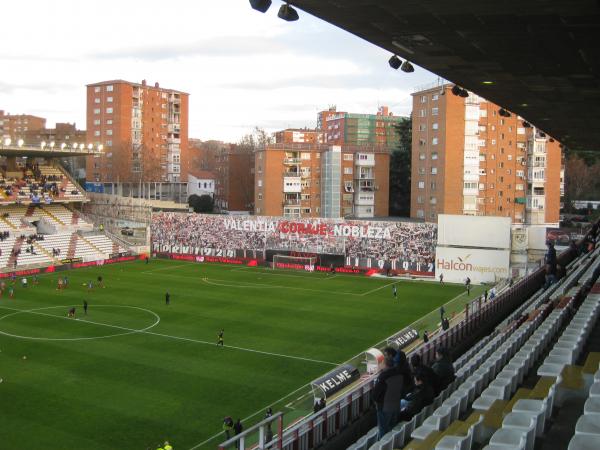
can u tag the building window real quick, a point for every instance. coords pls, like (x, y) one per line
(97, 133)
(97, 89)
(432, 200)
(434, 126)
(260, 195)
(422, 142)
(305, 155)
(96, 100)
(421, 185)
(434, 155)
(422, 156)
(420, 213)
(109, 143)
(420, 199)
(347, 170)
(422, 113)
(423, 98)
(481, 186)
(306, 210)
(96, 110)
(109, 122)
(434, 141)
(422, 127)
(434, 97)
(109, 88)
(96, 121)
(109, 99)
(259, 182)
(109, 110)
(432, 185)
(421, 170)
(434, 171)
(434, 111)
(109, 132)
(348, 156)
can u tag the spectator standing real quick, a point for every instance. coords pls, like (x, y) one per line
(387, 393)
(429, 376)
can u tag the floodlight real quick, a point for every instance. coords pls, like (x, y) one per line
(287, 13)
(395, 62)
(7, 141)
(456, 90)
(62, 146)
(81, 146)
(463, 93)
(407, 67)
(43, 144)
(260, 5)
(90, 146)
(20, 142)
(52, 144)
(101, 147)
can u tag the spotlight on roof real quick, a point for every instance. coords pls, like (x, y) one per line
(503, 112)
(101, 147)
(20, 142)
(260, 5)
(463, 93)
(90, 146)
(7, 141)
(542, 134)
(52, 144)
(526, 125)
(81, 146)
(551, 139)
(395, 62)
(62, 146)
(456, 90)
(42, 144)
(407, 67)
(287, 13)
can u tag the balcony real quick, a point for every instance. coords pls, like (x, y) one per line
(292, 161)
(364, 176)
(289, 173)
(364, 159)
(291, 202)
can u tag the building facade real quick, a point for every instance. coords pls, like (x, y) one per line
(317, 180)
(18, 126)
(144, 131)
(341, 128)
(471, 157)
(299, 136)
(201, 182)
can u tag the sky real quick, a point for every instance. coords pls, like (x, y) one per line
(242, 69)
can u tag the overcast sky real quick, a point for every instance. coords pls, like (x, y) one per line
(242, 68)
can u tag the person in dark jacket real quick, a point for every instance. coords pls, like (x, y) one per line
(421, 396)
(387, 393)
(429, 376)
(443, 367)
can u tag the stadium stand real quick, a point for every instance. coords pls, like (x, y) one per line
(497, 411)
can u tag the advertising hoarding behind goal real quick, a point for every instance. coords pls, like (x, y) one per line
(480, 265)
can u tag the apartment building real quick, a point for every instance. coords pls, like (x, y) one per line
(341, 128)
(144, 131)
(17, 126)
(316, 180)
(469, 156)
(232, 167)
(299, 136)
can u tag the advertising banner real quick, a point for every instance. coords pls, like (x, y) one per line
(561, 237)
(336, 380)
(401, 246)
(474, 231)
(480, 265)
(403, 338)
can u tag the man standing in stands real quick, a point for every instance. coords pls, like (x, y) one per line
(387, 392)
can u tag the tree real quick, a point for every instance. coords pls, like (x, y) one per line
(201, 203)
(582, 180)
(400, 165)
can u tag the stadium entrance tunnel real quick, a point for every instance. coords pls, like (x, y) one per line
(52, 323)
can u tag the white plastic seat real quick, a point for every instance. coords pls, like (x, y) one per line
(536, 408)
(398, 435)
(588, 424)
(592, 406)
(595, 389)
(437, 422)
(524, 422)
(550, 369)
(512, 438)
(584, 442)
(456, 442)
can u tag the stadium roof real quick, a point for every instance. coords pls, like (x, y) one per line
(38, 152)
(537, 58)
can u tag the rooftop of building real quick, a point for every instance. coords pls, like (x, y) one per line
(142, 84)
(202, 174)
(315, 147)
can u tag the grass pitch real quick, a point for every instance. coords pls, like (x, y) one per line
(135, 372)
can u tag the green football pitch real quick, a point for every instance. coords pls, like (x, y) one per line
(134, 371)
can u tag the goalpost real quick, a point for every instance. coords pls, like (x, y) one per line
(294, 262)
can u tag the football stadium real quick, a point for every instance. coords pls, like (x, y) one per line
(141, 310)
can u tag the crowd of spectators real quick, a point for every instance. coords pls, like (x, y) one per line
(402, 390)
(412, 242)
(32, 185)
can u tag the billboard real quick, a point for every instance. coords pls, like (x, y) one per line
(474, 231)
(562, 237)
(480, 265)
(402, 246)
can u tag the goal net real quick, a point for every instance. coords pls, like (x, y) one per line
(294, 262)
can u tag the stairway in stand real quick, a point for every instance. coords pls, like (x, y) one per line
(72, 246)
(13, 259)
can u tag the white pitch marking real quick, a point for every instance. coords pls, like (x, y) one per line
(180, 338)
(380, 287)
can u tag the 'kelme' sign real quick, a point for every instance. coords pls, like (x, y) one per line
(403, 338)
(337, 379)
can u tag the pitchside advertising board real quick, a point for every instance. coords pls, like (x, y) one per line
(335, 381)
(480, 265)
(399, 246)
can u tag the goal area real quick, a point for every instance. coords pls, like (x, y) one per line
(294, 262)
